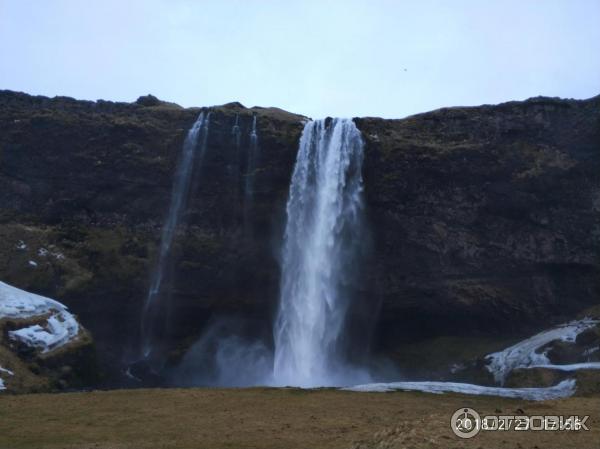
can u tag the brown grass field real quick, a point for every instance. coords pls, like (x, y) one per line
(272, 418)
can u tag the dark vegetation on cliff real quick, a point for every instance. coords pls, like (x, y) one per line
(485, 221)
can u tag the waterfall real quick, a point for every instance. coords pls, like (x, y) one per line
(320, 251)
(252, 159)
(235, 131)
(192, 153)
(251, 163)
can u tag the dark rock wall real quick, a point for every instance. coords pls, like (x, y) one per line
(482, 219)
(486, 218)
(86, 186)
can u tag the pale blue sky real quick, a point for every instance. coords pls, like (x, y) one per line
(318, 58)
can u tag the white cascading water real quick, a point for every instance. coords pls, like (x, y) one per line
(322, 235)
(251, 162)
(192, 152)
(235, 131)
(252, 159)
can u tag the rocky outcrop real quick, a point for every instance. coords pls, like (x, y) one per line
(483, 220)
(42, 345)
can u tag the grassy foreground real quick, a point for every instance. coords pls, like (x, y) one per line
(271, 418)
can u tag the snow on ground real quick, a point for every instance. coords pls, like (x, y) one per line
(4, 370)
(60, 327)
(9, 372)
(571, 367)
(43, 252)
(561, 390)
(129, 374)
(525, 353)
(17, 303)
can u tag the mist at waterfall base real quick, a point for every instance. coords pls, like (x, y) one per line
(153, 312)
(320, 333)
(227, 354)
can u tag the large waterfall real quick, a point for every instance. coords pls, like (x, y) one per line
(192, 152)
(320, 250)
(320, 262)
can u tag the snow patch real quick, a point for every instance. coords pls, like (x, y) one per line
(561, 390)
(21, 245)
(9, 372)
(526, 353)
(43, 252)
(570, 367)
(60, 327)
(17, 303)
(33, 263)
(130, 375)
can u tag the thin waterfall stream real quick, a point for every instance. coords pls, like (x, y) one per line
(194, 147)
(249, 184)
(235, 131)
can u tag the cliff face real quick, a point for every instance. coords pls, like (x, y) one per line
(482, 219)
(86, 186)
(486, 218)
